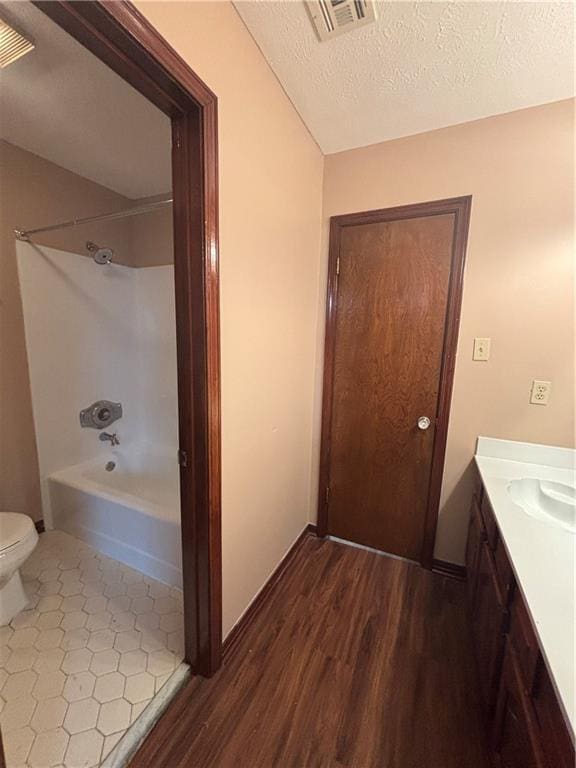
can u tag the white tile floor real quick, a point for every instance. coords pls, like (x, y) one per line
(96, 643)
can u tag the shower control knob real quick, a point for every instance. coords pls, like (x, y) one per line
(423, 422)
(100, 414)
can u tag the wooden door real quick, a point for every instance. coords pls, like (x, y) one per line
(393, 303)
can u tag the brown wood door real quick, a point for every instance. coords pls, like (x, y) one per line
(392, 327)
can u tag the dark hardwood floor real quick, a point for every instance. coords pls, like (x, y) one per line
(355, 660)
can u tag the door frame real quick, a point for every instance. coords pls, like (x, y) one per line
(121, 37)
(460, 207)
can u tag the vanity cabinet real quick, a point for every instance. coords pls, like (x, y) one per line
(515, 739)
(557, 746)
(526, 725)
(489, 619)
(476, 537)
(488, 609)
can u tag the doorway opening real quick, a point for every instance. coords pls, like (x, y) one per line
(122, 38)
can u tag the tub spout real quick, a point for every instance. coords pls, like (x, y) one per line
(112, 438)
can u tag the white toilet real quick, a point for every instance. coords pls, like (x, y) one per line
(18, 537)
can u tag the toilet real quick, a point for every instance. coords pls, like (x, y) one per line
(18, 538)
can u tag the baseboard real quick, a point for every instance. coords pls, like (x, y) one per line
(452, 570)
(40, 527)
(240, 628)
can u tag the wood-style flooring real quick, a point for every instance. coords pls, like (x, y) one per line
(355, 659)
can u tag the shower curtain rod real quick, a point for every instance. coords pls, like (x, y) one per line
(25, 235)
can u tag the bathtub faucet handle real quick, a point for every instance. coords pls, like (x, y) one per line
(112, 438)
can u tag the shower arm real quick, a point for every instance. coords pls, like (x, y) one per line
(25, 235)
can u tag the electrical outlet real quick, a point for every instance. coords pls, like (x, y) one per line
(481, 349)
(540, 392)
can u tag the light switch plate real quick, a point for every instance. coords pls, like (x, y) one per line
(540, 392)
(481, 349)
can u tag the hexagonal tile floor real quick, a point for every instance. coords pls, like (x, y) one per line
(77, 667)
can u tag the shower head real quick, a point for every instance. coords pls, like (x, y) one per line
(100, 255)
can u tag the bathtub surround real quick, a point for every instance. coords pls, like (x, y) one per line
(79, 667)
(97, 332)
(36, 192)
(519, 278)
(156, 335)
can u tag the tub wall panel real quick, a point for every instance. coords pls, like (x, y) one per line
(97, 332)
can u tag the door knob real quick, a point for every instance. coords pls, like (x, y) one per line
(423, 422)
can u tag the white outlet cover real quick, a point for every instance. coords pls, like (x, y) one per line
(540, 392)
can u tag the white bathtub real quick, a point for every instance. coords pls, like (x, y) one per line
(131, 513)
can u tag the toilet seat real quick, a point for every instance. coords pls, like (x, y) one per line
(14, 529)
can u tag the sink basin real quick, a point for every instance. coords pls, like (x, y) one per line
(552, 502)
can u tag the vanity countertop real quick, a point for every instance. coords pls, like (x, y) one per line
(542, 555)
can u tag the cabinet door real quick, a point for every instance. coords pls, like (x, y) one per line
(475, 537)
(489, 521)
(515, 740)
(555, 737)
(489, 626)
(523, 639)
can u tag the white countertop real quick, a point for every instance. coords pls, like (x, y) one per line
(542, 555)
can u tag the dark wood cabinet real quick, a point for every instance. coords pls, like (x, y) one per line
(524, 641)
(489, 625)
(526, 723)
(556, 744)
(515, 740)
(489, 522)
(475, 539)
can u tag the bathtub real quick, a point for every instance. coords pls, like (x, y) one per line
(131, 513)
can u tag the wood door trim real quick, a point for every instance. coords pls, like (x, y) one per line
(122, 38)
(460, 207)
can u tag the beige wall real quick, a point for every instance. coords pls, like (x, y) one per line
(152, 236)
(519, 283)
(35, 192)
(270, 210)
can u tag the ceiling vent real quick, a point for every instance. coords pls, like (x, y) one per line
(13, 44)
(335, 17)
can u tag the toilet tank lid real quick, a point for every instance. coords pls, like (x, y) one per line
(14, 526)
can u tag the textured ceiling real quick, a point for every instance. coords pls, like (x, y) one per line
(421, 66)
(63, 104)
